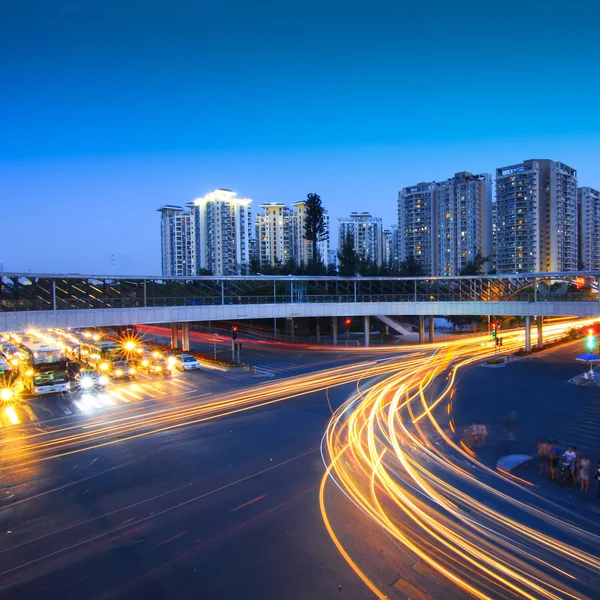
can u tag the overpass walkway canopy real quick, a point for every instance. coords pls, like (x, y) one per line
(40, 292)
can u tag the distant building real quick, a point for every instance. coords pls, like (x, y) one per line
(176, 241)
(464, 222)
(417, 225)
(302, 248)
(589, 228)
(222, 229)
(211, 235)
(536, 217)
(273, 234)
(388, 247)
(367, 234)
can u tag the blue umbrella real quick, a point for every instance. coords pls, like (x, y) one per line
(588, 358)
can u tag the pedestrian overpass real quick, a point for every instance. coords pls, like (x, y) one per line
(73, 300)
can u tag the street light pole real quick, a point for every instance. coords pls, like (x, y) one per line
(215, 346)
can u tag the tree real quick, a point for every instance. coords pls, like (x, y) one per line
(314, 223)
(410, 267)
(347, 258)
(475, 266)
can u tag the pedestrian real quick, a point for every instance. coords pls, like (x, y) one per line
(475, 430)
(597, 476)
(569, 457)
(584, 473)
(483, 433)
(553, 459)
(543, 456)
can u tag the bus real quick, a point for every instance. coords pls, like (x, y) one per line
(101, 352)
(43, 368)
(8, 380)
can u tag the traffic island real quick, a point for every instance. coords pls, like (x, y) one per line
(510, 462)
(495, 361)
(585, 380)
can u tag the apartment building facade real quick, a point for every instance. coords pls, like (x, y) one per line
(589, 228)
(367, 234)
(536, 225)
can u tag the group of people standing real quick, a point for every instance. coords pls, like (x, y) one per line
(550, 459)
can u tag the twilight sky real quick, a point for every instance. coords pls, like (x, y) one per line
(110, 109)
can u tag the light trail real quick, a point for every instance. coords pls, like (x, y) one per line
(393, 452)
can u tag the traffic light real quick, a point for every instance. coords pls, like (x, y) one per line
(494, 330)
(234, 331)
(590, 340)
(348, 322)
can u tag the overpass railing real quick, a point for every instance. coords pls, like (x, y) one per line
(27, 292)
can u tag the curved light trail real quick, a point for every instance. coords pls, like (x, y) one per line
(392, 451)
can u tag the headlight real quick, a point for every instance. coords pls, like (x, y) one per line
(171, 360)
(159, 369)
(86, 383)
(102, 380)
(132, 370)
(145, 363)
(6, 394)
(104, 367)
(118, 372)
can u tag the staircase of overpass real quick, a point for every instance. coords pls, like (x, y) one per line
(74, 300)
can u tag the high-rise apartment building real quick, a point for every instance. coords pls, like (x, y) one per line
(536, 217)
(222, 230)
(366, 233)
(176, 241)
(388, 247)
(273, 233)
(417, 225)
(589, 228)
(302, 248)
(213, 235)
(444, 225)
(464, 222)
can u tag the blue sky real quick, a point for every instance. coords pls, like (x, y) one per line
(112, 109)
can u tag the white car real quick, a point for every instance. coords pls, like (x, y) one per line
(186, 362)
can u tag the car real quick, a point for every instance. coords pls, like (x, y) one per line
(121, 369)
(87, 379)
(159, 367)
(186, 362)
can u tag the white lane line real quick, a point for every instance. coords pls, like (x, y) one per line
(130, 393)
(117, 395)
(64, 408)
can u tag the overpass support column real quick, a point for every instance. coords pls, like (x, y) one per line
(421, 329)
(527, 334)
(185, 337)
(367, 331)
(174, 336)
(540, 324)
(334, 330)
(431, 330)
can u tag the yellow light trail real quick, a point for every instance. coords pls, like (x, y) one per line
(392, 451)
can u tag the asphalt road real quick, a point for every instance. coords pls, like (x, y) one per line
(146, 499)
(222, 509)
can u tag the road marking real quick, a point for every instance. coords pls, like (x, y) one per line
(12, 415)
(64, 408)
(122, 398)
(26, 408)
(130, 393)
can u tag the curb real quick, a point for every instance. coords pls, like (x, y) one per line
(512, 461)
